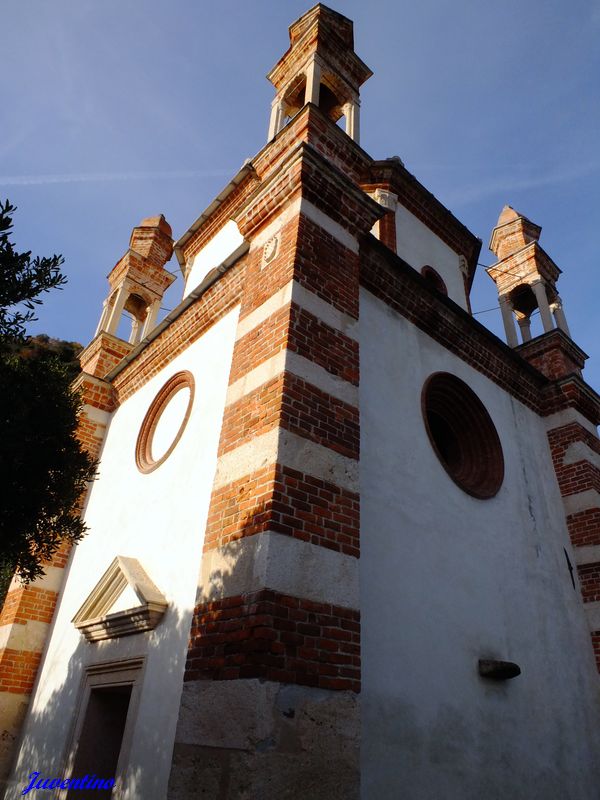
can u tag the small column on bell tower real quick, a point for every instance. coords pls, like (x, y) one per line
(559, 316)
(539, 290)
(313, 81)
(277, 120)
(525, 327)
(508, 320)
(352, 114)
(321, 68)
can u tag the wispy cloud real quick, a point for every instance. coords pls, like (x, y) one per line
(100, 177)
(513, 183)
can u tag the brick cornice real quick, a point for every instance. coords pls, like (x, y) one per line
(216, 215)
(531, 260)
(104, 350)
(518, 226)
(311, 125)
(306, 172)
(392, 280)
(320, 36)
(393, 175)
(95, 391)
(553, 353)
(571, 392)
(554, 338)
(154, 280)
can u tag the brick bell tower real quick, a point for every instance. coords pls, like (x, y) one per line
(321, 68)
(272, 684)
(526, 279)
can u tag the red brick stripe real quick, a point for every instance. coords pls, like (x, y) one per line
(91, 435)
(578, 477)
(326, 267)
(285, 501)
(589, 579)
(584, 527)
(596, 646)
(387, 230)
(320, 417)
(275, 637)
(311, 256)
(302, 333)
(261, 343)
(28, 604)
(331, 349)
(297, 406)
(18, 669)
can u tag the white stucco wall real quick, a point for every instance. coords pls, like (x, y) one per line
(223, 244)
(447, 579)
(418, 246)
(159, 519)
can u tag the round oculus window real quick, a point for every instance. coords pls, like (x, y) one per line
(165, 422)
(463, 435)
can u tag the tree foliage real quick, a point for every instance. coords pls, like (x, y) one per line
(22, 280)
(45, 347)
(43, 468)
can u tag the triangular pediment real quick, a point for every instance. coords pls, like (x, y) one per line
(123, 602)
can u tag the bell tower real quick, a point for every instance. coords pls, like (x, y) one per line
(320, 67)
(138, 281)
(525, 277)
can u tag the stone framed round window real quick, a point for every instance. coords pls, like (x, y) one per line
(463, 435)
(165, 422)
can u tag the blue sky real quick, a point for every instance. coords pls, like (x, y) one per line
(115, 111)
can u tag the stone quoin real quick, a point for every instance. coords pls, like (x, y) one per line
(344, 542)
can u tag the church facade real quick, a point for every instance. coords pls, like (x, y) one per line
(344, 542)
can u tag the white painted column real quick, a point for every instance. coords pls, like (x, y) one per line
(525, 326)
(103, 317)
(117, 309)
(542, 299)
(313, 82)
(135, 329)
(352, 112)
(151, 318)
(509, 322)
(559, 316)
(277, 117)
